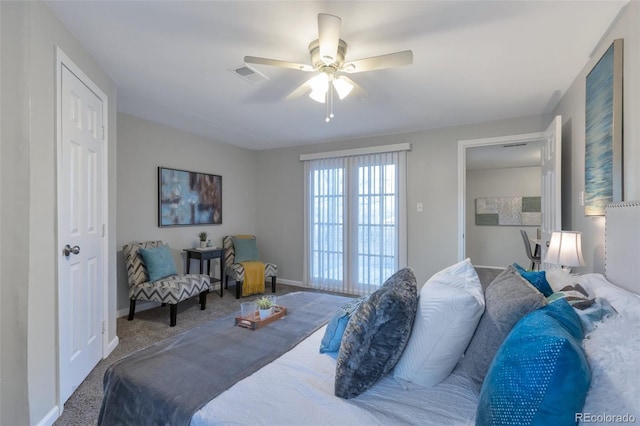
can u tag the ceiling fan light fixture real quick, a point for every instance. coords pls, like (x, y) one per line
(318, 95)
(319, 86)
(342, 86)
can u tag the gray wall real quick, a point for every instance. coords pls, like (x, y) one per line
(14, 223)
(29, 350)
(142, 147)
(572, 109)
(498, 245)
(432, 180)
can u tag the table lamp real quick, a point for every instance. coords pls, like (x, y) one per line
(565, 249)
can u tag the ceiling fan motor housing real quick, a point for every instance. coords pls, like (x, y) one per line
(319, 64)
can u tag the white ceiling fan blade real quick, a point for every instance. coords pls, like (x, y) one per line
(390, 60)
(278, 63)
(300, 91)
(328, 37)
(357, 89)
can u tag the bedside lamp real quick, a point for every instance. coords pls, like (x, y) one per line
(565, 249)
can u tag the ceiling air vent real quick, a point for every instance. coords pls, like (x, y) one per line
(249, 74)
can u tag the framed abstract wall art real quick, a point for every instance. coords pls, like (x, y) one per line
(603, 132)
(188, 198)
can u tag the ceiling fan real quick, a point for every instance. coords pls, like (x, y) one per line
(328, 57)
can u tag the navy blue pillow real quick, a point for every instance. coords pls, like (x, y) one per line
(540, 375)
(159, 262)
(338, 324)
(376, 335)
(538, 279)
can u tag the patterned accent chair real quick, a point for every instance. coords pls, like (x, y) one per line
(169, 290)
(236, 270)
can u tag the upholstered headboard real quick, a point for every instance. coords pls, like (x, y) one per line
(622, 245)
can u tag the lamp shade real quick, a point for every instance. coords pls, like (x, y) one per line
(565, 249)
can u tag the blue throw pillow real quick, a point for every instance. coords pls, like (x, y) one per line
(246, 249)
(540, 375)
(538, 279)
(159, 262)
(338, 324)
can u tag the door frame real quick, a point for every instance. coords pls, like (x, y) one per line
(62, 60)
(462, 175)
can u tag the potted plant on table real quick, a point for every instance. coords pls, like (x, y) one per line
(265, 306)
(203, 239)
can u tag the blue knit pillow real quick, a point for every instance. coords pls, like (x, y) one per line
(376, 335)
(538, 279)
(159, 262)
(338, 324)
(540, 375)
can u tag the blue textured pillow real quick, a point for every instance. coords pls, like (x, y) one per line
(540, 375)
(337, 326)
(159, 262)
(538, 279)
(376, 335)
(246, 249)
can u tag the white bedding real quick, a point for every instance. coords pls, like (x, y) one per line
(297, 389)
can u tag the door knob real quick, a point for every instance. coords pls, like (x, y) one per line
(67, 250)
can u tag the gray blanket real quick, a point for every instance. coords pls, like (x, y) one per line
(166, 383)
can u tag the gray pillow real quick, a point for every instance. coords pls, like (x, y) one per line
(507, 299)
(376, 335)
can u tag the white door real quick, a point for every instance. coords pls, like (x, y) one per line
(80, 227)
(551, 201)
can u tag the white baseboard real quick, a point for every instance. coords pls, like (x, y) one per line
(50, 417)
(140, 306)
(111, 346)
(291, 282)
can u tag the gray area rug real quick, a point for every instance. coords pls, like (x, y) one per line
(147, 328)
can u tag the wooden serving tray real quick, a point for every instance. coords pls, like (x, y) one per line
(252, 324)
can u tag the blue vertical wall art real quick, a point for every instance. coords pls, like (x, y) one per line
(603, 133)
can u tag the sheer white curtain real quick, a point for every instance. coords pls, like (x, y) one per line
(355, 220)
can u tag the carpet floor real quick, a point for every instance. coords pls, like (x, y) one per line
(148, 327)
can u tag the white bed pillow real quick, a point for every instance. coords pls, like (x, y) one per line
(598, 286)
(450, 305)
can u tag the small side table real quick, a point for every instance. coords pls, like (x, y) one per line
(206, 255)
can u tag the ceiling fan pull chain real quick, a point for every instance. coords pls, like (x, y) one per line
(331, 100)
(327, 102)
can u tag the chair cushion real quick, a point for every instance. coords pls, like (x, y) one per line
(376, 335)
(540, 375)
(173, 289)
(246, 249)
(449, 309)
(236, 271)
(507, 299)
(159, 262)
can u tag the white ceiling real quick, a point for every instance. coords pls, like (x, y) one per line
(474, 61)
(503, 156)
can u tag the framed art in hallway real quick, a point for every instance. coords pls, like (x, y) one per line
(188, 198)
(603, 132)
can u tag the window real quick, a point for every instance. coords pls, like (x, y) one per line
(355, 222)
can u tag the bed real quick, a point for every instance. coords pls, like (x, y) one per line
(300, 386)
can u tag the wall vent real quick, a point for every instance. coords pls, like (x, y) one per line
(249, 74)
